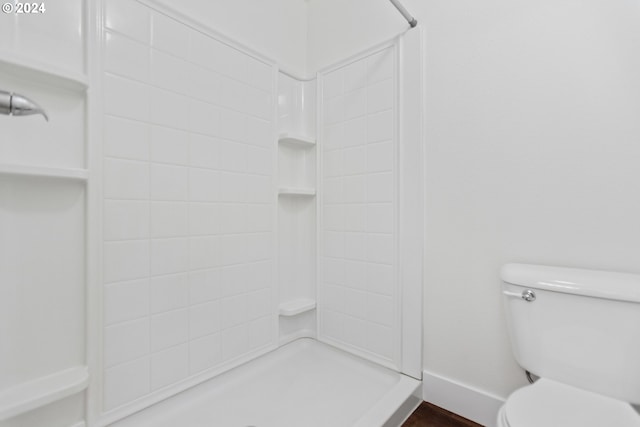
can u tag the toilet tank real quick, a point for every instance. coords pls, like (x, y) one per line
(580, 327)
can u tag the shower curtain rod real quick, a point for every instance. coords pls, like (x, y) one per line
(410, 19)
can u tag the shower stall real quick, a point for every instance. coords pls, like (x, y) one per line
(200, 237)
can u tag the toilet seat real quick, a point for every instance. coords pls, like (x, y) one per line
(547, 403)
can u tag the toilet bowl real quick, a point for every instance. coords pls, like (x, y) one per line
(579, 332)
(548, 403)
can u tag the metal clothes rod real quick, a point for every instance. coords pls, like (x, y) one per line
(410, 19)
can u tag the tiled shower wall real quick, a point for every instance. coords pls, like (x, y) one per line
(358, 289)
(188, 203)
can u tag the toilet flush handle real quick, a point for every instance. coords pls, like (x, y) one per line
(527, 295)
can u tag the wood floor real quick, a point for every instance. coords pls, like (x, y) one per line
(428, 415)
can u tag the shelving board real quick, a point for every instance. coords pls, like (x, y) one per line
(296, 306)
(42, 391)
(295, 139)
(297, 191)
(44, 172)
(28, 68)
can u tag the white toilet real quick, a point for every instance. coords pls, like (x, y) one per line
(579, 331)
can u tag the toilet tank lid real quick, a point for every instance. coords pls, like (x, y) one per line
(592, 283)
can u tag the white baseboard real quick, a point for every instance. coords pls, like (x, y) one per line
(476, 405)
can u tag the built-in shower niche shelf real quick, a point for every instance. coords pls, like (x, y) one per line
(297, 191)
(296, 140)
(296, 306)
(42, 391)
(44, 172)
(34, 69)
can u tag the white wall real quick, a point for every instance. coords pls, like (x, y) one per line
(532, 137)
(275, 28)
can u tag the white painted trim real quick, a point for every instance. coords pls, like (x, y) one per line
(464, 400)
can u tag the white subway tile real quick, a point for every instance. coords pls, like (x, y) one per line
(259, 275)
(355, 104)
(233, 156)
(233, 280)
(127, 139)
(333, 217)
(235, 341)
(232, 126)
(126, 179)
(233, 187)
(126, 341)
(332, 297)
(203, 185)
(169, 256)
(204, 286)
(259, 103)
(380, 278)
(380, 157)
(261, 332)
(204, 118)
(380, 65)
(259, 218)
(334, 136)
(333, 271)
(126, 382)
(380, 340)
(380, 187)
(355, 303)
(355, 132)
(233, 95)
(355, 75)
(380, 248)
(205, 353)
(333, 163)
(169, 329)
(380, 309)
(380, 96)
(130, 18)
(232, 218)
(259, 247)
(232, 249)
(203, 219)
(355, 331)
(169, 109)
(169, 292)
(380, 218)
(259, 304)
(203, 252)
(169, 219)
(126, 219)
(333, 190)
(204, 319)
(125, 301)
(333, 84)
(204, 151)
(259, 161)
(334, 110)
(260, 133)
(333, 324)
(126, 98)
(169, 145)
(259, 74)
(355, 217)
(126, 57)
(334, 244)
(355, 246)
(259, 189)
(355, 160)
(354, 188)
(168, 182)
(233, 311)
(355, 275)
(169, 366)
(169, 35)
(380, 126)
(125, 260)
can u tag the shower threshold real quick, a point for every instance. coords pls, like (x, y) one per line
(302, 384)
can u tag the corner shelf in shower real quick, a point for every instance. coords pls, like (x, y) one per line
(26, 67)
(296, 306)
(297, 191)
(296, 140)
(75, 174)
(42, 391)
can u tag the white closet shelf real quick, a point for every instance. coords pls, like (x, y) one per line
(42, 391)
(44, 171)
(24, 66)
(295, 139)
(296, 306)
(296, 191)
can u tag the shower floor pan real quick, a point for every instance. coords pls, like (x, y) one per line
(302, 384)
